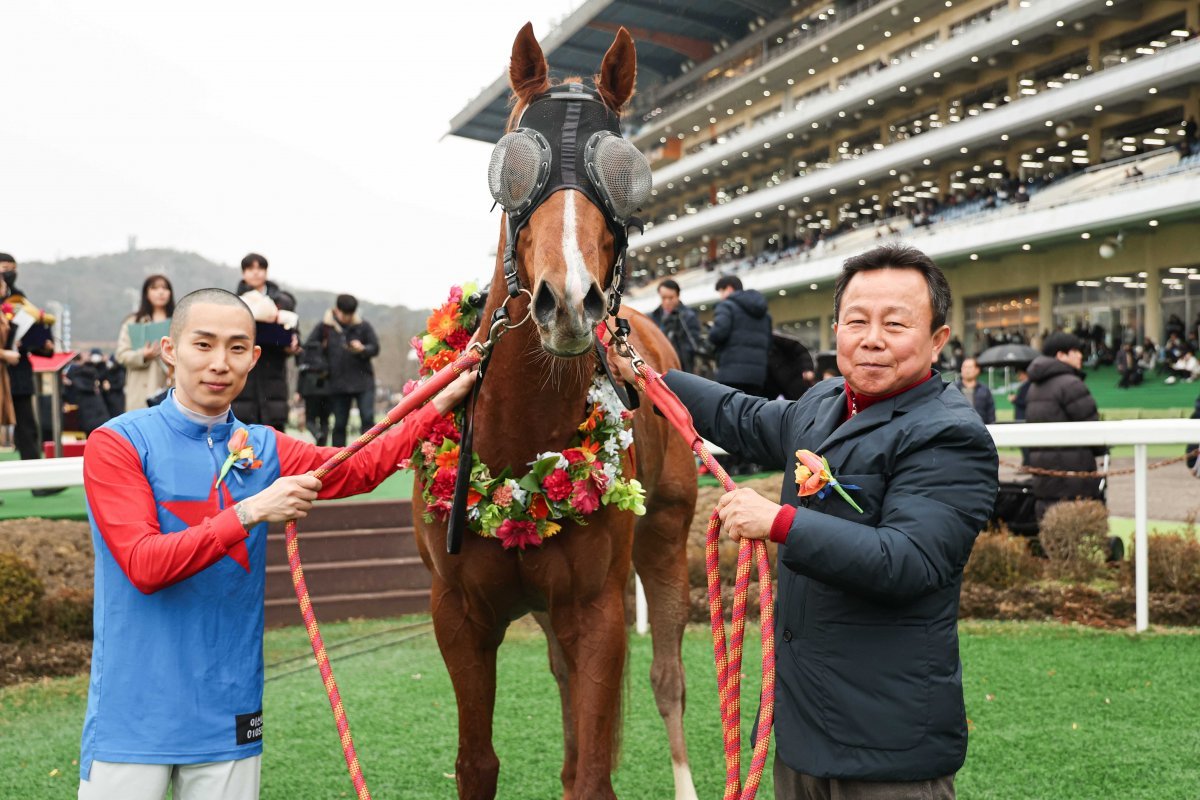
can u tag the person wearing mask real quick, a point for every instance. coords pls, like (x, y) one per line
(869, 700)
(88, 380)
(741, 336)
(1057, 393)
(977, 394)
(145, 371)
(26, 436)
(351, 343)
(679, 323)
(265, 398)
(175, 697)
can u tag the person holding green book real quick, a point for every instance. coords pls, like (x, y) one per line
(138, 350)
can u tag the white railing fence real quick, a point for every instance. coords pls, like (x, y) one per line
(1139, 433)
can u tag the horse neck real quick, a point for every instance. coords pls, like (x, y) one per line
(528, 403)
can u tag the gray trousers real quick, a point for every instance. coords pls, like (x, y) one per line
(793, 785)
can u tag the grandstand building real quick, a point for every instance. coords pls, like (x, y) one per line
(1044, 152)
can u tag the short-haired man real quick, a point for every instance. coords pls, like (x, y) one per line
(179, 527)
(977, 394)
(741, 336)
(869, 699)
(350, 343)
(679, 323)
(265, 398)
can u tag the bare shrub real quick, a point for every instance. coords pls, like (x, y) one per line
(1000, 560)
(20, 596)
(1074, 536)
(1174, 563)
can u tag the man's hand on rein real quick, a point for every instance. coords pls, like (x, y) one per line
(621, 366)
(455, 391)
(746, 514)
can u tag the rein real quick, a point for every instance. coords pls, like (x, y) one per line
(727, 653)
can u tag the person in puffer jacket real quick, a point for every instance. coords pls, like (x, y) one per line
(1057, 393)
(741, 336)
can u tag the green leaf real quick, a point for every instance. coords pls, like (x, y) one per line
(544, 467)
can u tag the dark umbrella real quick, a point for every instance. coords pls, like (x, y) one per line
(1007, 355)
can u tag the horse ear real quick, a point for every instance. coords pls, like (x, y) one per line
(618, 71)
(527, 71)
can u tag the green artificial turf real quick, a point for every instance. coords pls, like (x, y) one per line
(1055, 712)
(1153, 398)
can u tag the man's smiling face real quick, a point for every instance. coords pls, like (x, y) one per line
(212, 353)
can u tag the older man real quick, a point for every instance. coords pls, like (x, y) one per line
(179, 496)
(869, 701)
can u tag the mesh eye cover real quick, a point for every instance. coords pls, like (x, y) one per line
(619, 171)
(519, 168)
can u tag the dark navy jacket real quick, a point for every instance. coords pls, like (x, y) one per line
(741, 336)
(869, 683)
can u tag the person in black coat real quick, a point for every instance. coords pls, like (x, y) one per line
(1057, 393)
(869, 683)
(313, 384)
(264, 400)
(350, 344)
(26, 436)
(679, 323)
(741, 336)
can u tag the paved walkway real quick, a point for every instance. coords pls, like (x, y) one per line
(1174, 491)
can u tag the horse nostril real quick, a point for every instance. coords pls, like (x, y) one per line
(544, 305)
(593, 304)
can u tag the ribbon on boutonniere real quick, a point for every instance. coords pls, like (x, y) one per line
(241, 455)
(814, 476)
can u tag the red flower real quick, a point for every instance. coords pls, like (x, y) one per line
(459, 339)
(538, 509)
(443, 428)
(584, 497)
(473, 497)
(574, 456)
(519, 533)
(557, 485)
(409, 385)
(443, 484)
(502, 496)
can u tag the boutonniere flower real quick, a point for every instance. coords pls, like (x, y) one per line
(241, 455)
(813, 476)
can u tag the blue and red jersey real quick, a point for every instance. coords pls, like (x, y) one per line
(177, 662)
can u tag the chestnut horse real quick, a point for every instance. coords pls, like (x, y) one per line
(575, 583)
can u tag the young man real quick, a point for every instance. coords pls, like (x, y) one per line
(869, 699)
(265, 398)
(977, 394)
(350, 343)
(180, 539)
(679, 323)
(741, 336)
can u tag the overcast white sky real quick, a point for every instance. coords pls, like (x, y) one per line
(306, 131)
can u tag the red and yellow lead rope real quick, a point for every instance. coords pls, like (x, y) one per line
(728, 654)
(403, 409)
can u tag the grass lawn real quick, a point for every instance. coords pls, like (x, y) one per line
(1055, 712)
(1152, 399)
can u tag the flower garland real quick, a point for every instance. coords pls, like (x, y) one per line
(570, 484)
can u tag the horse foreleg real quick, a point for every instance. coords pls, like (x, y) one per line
(592, 636)
(468, 646)
(661, 563)
(558, 667)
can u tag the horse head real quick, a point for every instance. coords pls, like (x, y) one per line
(569, 184)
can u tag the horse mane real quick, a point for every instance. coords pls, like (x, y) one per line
(531, 88)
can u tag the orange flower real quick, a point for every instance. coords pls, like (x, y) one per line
(473, 497)
(238, 440)
(449, 458)
(444, 321)
(538, 509)
(811, 474)
(439, 360)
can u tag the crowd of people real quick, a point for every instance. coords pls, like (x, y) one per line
(334, 363)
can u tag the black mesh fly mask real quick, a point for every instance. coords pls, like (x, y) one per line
(567, 138)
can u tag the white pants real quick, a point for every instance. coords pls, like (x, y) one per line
(216, 780)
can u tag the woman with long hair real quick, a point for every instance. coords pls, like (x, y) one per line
(146, 372)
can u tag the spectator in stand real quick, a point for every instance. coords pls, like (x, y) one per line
(1186, 367)
(1058, 394)
(265, 399)
(1128, 367)
(89, 379)
(145, 372)
(740, 336)
(114, 387)
(1148, 356)
(1172, 350)
(977, 394)
(679, 323)
(26, 436)
(351, 343)
(176, 690)
(313, 385)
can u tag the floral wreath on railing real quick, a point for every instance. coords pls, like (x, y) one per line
(570, 484)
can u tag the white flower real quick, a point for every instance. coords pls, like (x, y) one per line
(625, 438)
(610, 472)
(519, 494)
(609, 447)
(562, 462)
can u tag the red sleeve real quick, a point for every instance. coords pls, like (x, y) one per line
(782, 523)
(368, 467)
(125, 513)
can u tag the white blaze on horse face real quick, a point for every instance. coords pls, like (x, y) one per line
(578, 278)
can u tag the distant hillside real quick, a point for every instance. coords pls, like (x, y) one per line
(102, 290)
